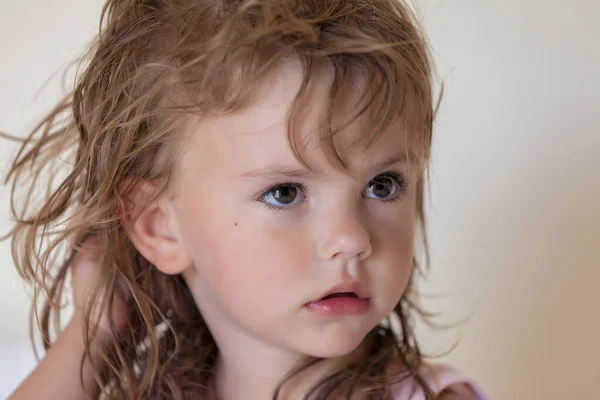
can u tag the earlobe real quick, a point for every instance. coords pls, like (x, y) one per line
(150, 226)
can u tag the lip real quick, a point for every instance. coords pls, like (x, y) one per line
(346, 287)
(341, 306)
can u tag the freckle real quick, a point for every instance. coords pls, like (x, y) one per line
(235, 224)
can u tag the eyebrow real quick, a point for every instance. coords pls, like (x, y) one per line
(278, 171)
(404, 158)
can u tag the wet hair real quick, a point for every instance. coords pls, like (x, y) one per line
(153, 63)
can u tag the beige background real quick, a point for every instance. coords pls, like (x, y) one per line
(514, 218)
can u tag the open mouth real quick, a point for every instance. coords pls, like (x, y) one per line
(351, 295)
(345, 301)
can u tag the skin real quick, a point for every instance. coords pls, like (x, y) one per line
(57, 375)
(252, 269)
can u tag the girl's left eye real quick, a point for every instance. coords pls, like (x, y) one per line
(283, 196)
(386, 186)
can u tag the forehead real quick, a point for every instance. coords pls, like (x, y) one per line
(258, 134)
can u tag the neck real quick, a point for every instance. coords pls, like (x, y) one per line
(256, 377)
(250, 378)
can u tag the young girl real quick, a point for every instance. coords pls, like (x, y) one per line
(243, 190)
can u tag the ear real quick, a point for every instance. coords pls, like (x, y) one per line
(150, 226)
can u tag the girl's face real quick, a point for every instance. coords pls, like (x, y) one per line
(269, 239)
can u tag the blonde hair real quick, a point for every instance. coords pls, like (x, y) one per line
(153, 62)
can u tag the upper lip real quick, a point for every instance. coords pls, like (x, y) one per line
(346, 287)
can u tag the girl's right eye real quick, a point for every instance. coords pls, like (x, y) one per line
(283, 196)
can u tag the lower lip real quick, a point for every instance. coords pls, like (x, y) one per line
(339, 306)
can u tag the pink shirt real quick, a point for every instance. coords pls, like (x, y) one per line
(439, 378)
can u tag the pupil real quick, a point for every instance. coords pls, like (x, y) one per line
(285, 194)
(382, 188)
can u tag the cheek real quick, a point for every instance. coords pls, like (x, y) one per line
(246, 258)
(255, 260)
(395, 242)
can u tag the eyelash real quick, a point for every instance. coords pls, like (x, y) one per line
(398, 178)
(301, 188)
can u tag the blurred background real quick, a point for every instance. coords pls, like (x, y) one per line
(514, 217)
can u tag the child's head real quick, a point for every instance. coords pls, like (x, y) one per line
(238, 160)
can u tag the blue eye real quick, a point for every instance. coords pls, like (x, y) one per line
(283, 196)
(386, 186)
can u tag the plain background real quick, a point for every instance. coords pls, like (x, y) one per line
(514, 216)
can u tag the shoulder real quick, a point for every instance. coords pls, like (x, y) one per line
(446, 382)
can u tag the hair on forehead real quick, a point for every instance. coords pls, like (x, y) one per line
(383, 62)
(358, 112)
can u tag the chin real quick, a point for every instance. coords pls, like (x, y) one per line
(336, 343)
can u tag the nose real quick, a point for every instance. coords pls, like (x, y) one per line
(343, 234)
